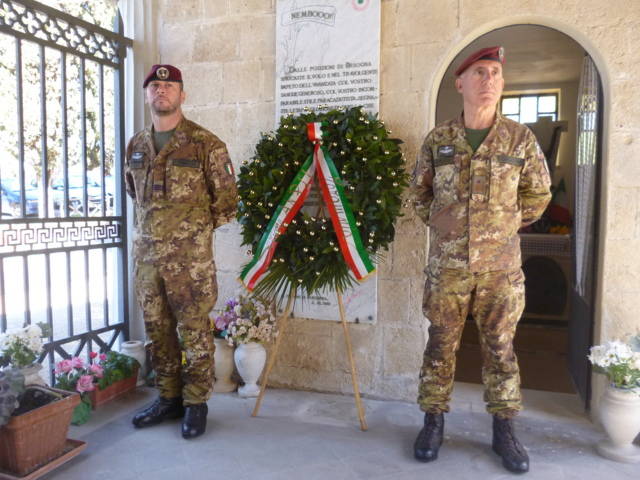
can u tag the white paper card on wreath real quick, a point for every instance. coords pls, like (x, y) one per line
(327, 53)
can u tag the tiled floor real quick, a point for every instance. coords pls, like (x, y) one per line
(303, 435)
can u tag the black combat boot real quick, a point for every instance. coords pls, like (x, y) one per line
(429, 439)
(161, 409)
(505, 444)
(195, 420)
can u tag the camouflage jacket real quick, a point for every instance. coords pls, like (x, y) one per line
(186, 189)
(475, 203)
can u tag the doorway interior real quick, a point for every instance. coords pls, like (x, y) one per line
(544, 74)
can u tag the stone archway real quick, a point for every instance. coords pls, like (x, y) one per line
(525, 44)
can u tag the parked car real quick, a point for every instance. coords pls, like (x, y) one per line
(11, 199)
(75, 197)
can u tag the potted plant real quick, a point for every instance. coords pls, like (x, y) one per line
(34, 421)
(620, 404)
(21, 348)
(252, 324)
(120, 374)
(105, 377)
(223, 356)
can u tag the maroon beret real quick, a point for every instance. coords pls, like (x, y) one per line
(167, 73)
(489, 53)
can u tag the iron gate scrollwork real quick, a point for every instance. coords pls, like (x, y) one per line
(62, 212)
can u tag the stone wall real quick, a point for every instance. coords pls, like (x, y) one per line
(227, 51)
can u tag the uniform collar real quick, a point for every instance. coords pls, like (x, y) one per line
(460, 120)
(495, 132)
(174, 142)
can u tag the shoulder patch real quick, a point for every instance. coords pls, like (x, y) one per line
(221, 151)
(137, 160)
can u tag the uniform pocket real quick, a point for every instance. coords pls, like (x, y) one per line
(185, 180)
(430, 284)
(445, 181)
(505, 176)
(442, 161)
(516, 277)
(139, 170)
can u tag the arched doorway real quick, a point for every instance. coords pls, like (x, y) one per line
(548, 77)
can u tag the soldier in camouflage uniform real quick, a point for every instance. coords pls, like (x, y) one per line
(478, 179)
(181, 181)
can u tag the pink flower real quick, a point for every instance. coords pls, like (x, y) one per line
(77, 362)
(93, 355)
(85, 384)
(103, 357)
(64, 366)
(97, 370)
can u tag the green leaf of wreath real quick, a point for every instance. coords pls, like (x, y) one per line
(371, 167)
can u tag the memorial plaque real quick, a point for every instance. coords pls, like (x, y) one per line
(328, 53)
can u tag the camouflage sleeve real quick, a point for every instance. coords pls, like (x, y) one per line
(422, 182)
(534, 188)
(221, 176)
(128, 178)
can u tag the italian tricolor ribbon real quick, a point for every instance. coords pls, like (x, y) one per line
(334, 197)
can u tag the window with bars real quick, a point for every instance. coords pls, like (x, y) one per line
(530, 107)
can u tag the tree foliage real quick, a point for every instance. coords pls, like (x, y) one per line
(32, 128)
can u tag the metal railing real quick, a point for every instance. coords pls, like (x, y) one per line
(62, 215)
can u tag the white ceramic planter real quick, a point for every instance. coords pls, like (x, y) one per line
(32, 374)
(620, 417)
(135, 349)
(250, 359)
(223, 363)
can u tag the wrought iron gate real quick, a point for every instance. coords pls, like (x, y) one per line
(63, 215)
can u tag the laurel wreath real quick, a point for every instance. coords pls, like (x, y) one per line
(371, 167)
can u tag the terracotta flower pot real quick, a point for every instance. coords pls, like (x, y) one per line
(32, 439)
(100, 397)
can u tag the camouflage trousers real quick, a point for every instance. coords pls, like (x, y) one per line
(176, 297)
(496, 302)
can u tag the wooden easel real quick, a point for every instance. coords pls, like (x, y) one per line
(282, 325)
